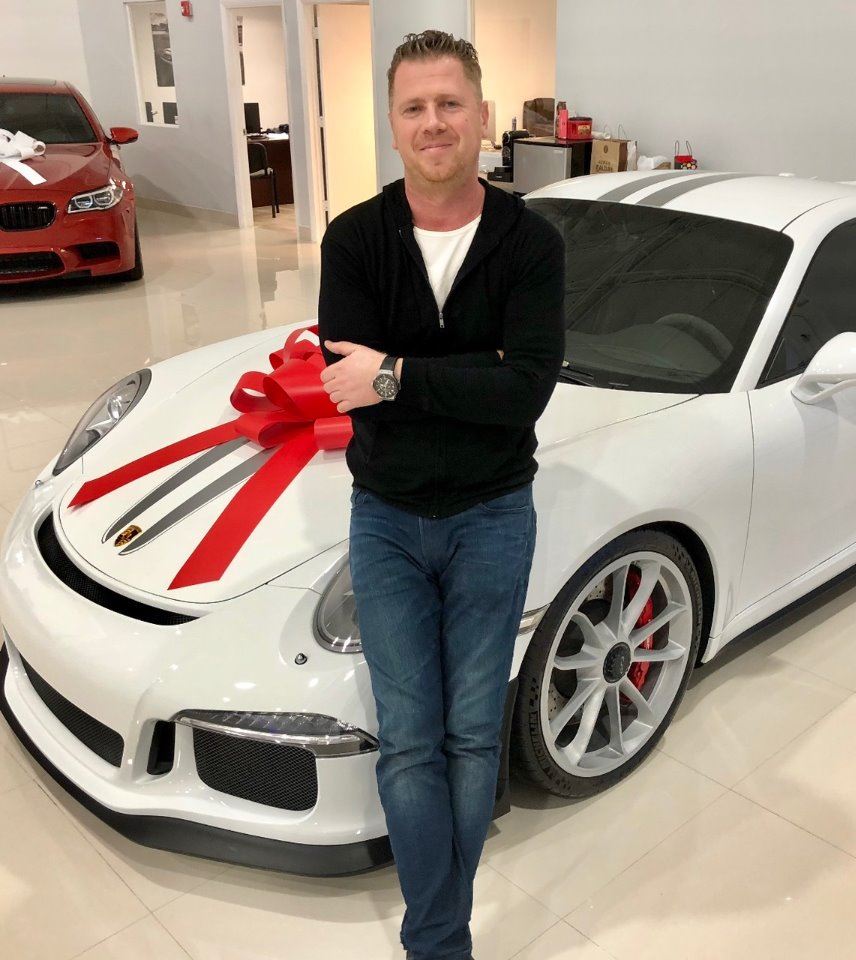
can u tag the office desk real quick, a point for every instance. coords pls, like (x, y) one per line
(278, 149)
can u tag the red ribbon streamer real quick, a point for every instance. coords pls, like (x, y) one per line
(287, 408)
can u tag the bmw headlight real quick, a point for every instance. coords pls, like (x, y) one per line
(102, 416)
(101, 199)
(337, 626)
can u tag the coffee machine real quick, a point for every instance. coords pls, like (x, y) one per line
(505, 173)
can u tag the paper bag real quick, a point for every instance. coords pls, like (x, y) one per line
(609, 156)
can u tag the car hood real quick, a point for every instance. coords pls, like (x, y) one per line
(74, 167)
(310, 516)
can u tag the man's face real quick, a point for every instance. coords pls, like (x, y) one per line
(437, 120)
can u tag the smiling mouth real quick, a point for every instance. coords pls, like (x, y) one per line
(435, 146)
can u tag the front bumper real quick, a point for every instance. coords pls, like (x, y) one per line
(93, 244)
(128, 675)
(201, 840)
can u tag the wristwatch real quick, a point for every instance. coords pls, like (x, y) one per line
(385, 385)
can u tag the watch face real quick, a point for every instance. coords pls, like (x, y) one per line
(385, 385)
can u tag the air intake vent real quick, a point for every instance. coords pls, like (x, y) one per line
(277, 775)
(76, 580)
(29, 264)
(26, 216)
(90, 732)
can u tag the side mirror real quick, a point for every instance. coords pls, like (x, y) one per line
(120, 135)
(832, 368)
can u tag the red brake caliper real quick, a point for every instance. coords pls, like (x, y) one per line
(639, 671)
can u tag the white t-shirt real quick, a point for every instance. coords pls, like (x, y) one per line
(443, 252)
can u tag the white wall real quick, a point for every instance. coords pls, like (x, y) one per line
(264, 63)
(43, 40)
(754, 86)
(192, 163)
(516, 44)
(391, 20)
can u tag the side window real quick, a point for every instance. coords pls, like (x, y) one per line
(824, 306)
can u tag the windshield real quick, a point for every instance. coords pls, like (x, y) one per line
(661, 300)
(49, 117)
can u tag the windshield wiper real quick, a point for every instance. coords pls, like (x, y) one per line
(573, 375)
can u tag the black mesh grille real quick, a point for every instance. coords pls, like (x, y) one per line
(76, 580)
(26, 216)
(90, 732)
(274, 774)
(21, 264)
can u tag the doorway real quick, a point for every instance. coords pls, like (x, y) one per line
(254, 35)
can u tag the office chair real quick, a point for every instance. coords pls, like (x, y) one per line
(259, 168)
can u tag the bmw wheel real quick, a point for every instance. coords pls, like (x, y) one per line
(608, 665)
(136, 272)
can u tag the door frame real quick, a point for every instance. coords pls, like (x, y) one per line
(313, 115)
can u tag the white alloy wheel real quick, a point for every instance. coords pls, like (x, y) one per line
(608, 665)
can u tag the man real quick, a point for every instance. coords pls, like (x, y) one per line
(441, 322)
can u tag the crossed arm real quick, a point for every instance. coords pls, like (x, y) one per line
(348, 382)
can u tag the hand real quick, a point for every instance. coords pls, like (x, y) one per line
(349, 382)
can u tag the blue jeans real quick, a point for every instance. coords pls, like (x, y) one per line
(439, 603)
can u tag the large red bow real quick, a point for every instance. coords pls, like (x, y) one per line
(288, 408)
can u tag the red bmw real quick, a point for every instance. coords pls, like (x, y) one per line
(81, 221)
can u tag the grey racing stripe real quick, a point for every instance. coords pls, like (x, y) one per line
(230, 479)
(626, 189)
(173, 483)
(667, 194)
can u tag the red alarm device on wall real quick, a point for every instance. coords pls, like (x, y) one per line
(186, 9)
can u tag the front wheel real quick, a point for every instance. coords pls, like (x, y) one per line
(136, 272)
(608, 666)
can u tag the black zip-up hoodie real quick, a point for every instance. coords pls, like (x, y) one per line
(461, 429)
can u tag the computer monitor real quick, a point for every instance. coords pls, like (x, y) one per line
(252, 122)
(170, 111)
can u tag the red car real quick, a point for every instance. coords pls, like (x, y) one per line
(82, 220)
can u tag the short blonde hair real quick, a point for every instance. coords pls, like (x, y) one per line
(432, 45)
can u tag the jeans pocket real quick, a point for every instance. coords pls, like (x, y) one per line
(515, 502)
(359, 495)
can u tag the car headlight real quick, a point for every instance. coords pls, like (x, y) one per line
(321, 735)
(102, 416)
(337, 626)
(101, 199)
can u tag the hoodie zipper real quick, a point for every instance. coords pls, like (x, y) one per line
(421, 264)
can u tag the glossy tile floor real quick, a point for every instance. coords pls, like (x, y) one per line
(736, 839)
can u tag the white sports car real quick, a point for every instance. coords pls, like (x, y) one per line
(181, 647)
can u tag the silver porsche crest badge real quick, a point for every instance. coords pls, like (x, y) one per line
(127, 535)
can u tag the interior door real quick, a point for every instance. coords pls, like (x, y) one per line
(804, 495)
(345, 68)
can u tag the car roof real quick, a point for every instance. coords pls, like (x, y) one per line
(763, 200)
(32, 85)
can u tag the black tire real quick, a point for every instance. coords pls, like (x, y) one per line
(136, 272)
(530, 756)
